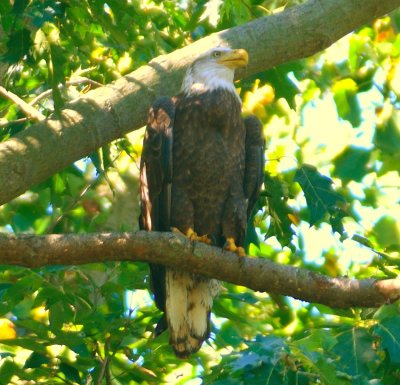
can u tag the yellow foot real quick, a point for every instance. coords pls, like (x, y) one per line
(192, 235)
(230, 245)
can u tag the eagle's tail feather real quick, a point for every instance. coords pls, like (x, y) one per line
(188, 305)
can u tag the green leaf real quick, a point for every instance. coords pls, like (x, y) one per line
(356, 352)
(351, 164)
(281, 83)
(251, 235)
(106, 157)
(279, 210)
(320, 196)
(45, 11)
(249, 359)
(18, 46)
(57, 315)
(58, 184)
(246, 297)
(19, 6)
(317, 340)
(321, 368)
(313, 353)
(40, 329)
(345, 96)
(95, 157)
(387, 135)
(362, 240)
(24, 287)
(223, 309)
(261, 363)
(70, 372)
(36, 360)
(335, 221)
(7, 370)
(228, 381)
(389, 332)
(387, 231)
(229, 334)
(390, 162)
(28, 343)
(386, 311)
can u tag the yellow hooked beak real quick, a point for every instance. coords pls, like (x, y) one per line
(236, 58)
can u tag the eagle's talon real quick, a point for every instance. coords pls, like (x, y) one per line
(204, 238)
(192, 235)
(230, 245)
(240, 251)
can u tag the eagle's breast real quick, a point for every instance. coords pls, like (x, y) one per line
(208, 153)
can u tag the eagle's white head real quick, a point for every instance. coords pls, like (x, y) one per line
(214, 69)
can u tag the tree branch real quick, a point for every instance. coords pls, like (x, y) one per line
(5, 122)
(26, 108)
(109, 112)
(177, 251)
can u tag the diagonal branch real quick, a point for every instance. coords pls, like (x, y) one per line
(109, 112)
(25, 107)
(176, 251)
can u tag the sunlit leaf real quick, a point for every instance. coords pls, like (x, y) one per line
(345, 96)
(387, 231)
(28, 343)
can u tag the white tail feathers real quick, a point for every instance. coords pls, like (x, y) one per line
(188, 304)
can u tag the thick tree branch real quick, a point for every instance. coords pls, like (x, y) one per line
(177, 251)
(107, 113)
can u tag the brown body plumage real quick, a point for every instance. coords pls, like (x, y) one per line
(201, 170)
(209, 163)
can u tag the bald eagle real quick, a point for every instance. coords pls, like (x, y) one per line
(201, 171)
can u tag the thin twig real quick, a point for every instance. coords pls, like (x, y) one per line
(74, 82)
(5, 122)
(28, 109)
(74, 202)
(104, 364)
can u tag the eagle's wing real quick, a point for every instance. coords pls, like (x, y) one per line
(254, 169)
(155, 182)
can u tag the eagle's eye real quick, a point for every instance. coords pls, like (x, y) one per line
(216, 54)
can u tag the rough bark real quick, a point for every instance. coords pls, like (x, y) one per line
(109, 112)
(177, 251)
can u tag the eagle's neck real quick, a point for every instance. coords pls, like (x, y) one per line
(201, 80)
